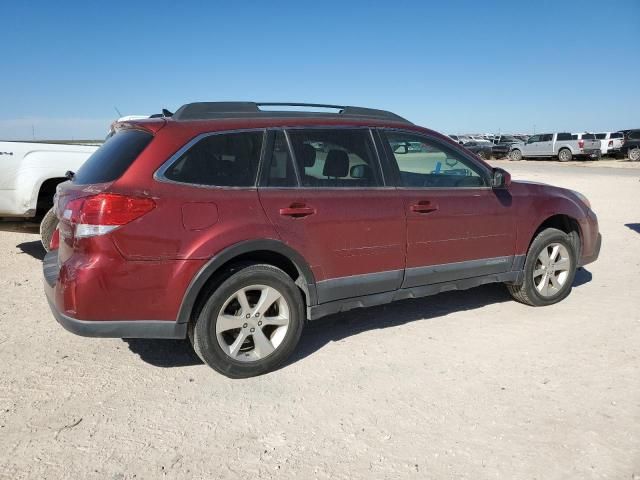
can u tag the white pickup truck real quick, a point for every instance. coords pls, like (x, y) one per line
(563, 146)
(30, 173)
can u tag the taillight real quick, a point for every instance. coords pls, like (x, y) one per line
(100, 214)
(580, 143)
(610, 143)
(54, 243)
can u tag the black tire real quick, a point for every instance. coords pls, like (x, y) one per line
(47, 227)
(202, 333)
(565, 155)
(515, 155)
(527, 293)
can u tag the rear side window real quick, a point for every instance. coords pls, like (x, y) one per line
(564, 136)
(222, 160)
(110, 161)
(335, 158)
(635, 135)
(546, 137)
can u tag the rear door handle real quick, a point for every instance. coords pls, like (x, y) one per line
(297, 211)
(424, 206)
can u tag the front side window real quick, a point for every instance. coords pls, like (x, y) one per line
(425, 163)
(223, 160)
(339, 157)
(534, 139)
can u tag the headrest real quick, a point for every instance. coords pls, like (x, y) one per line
(307, 155)
(336, 164)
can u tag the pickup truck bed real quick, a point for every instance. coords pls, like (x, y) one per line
(30, 172)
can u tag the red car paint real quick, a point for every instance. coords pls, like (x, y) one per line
(142, 270)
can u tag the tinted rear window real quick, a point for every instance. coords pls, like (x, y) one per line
(634, 134)
(601, 136)
(110, 161)
(616, 135)
(222, 160)
(588, 136)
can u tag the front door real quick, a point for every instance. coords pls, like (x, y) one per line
(457, 226)
(332, 206)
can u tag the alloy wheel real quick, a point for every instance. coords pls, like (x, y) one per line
(252, 323)
(551, 269)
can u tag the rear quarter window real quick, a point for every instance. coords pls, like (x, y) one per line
(221, 160)
(112, 159)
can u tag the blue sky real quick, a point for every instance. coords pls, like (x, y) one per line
(454, 66)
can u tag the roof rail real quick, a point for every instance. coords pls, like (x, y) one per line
(213, 110)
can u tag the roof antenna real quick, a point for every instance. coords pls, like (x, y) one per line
(117, 111)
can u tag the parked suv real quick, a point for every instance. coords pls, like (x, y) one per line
(233, 226)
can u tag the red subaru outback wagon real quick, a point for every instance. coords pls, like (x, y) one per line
(233, 223)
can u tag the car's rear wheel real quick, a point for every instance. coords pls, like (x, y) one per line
(634, 154)
(47, 227)
(565, 155)
(251, 323)
(549, 269)
(515, 155)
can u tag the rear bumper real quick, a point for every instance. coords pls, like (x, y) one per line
(104, 328)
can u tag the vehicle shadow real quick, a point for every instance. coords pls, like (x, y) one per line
(35, 249)
(633, 226)
(164, 353)
(179, 353)
(20, 227)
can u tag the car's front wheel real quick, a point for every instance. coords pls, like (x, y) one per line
(515, 155)
(549, 270)
(250, 323)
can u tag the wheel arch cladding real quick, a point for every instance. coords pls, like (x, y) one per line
(565, 223)
(272, 252)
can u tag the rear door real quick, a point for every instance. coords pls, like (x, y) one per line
(457, 226)
(324, 191)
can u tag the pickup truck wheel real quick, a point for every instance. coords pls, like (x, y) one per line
(47, 227)
(634, 154)
(515, 155)
(251, 323)
(549, 269)
(565, 155)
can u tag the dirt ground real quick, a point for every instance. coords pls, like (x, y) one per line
(462, 385)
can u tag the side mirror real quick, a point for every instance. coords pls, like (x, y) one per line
(500, 178)
(358, 171)
(401, 148)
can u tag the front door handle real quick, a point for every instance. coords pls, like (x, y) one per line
(297, 210)
(424, 206)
